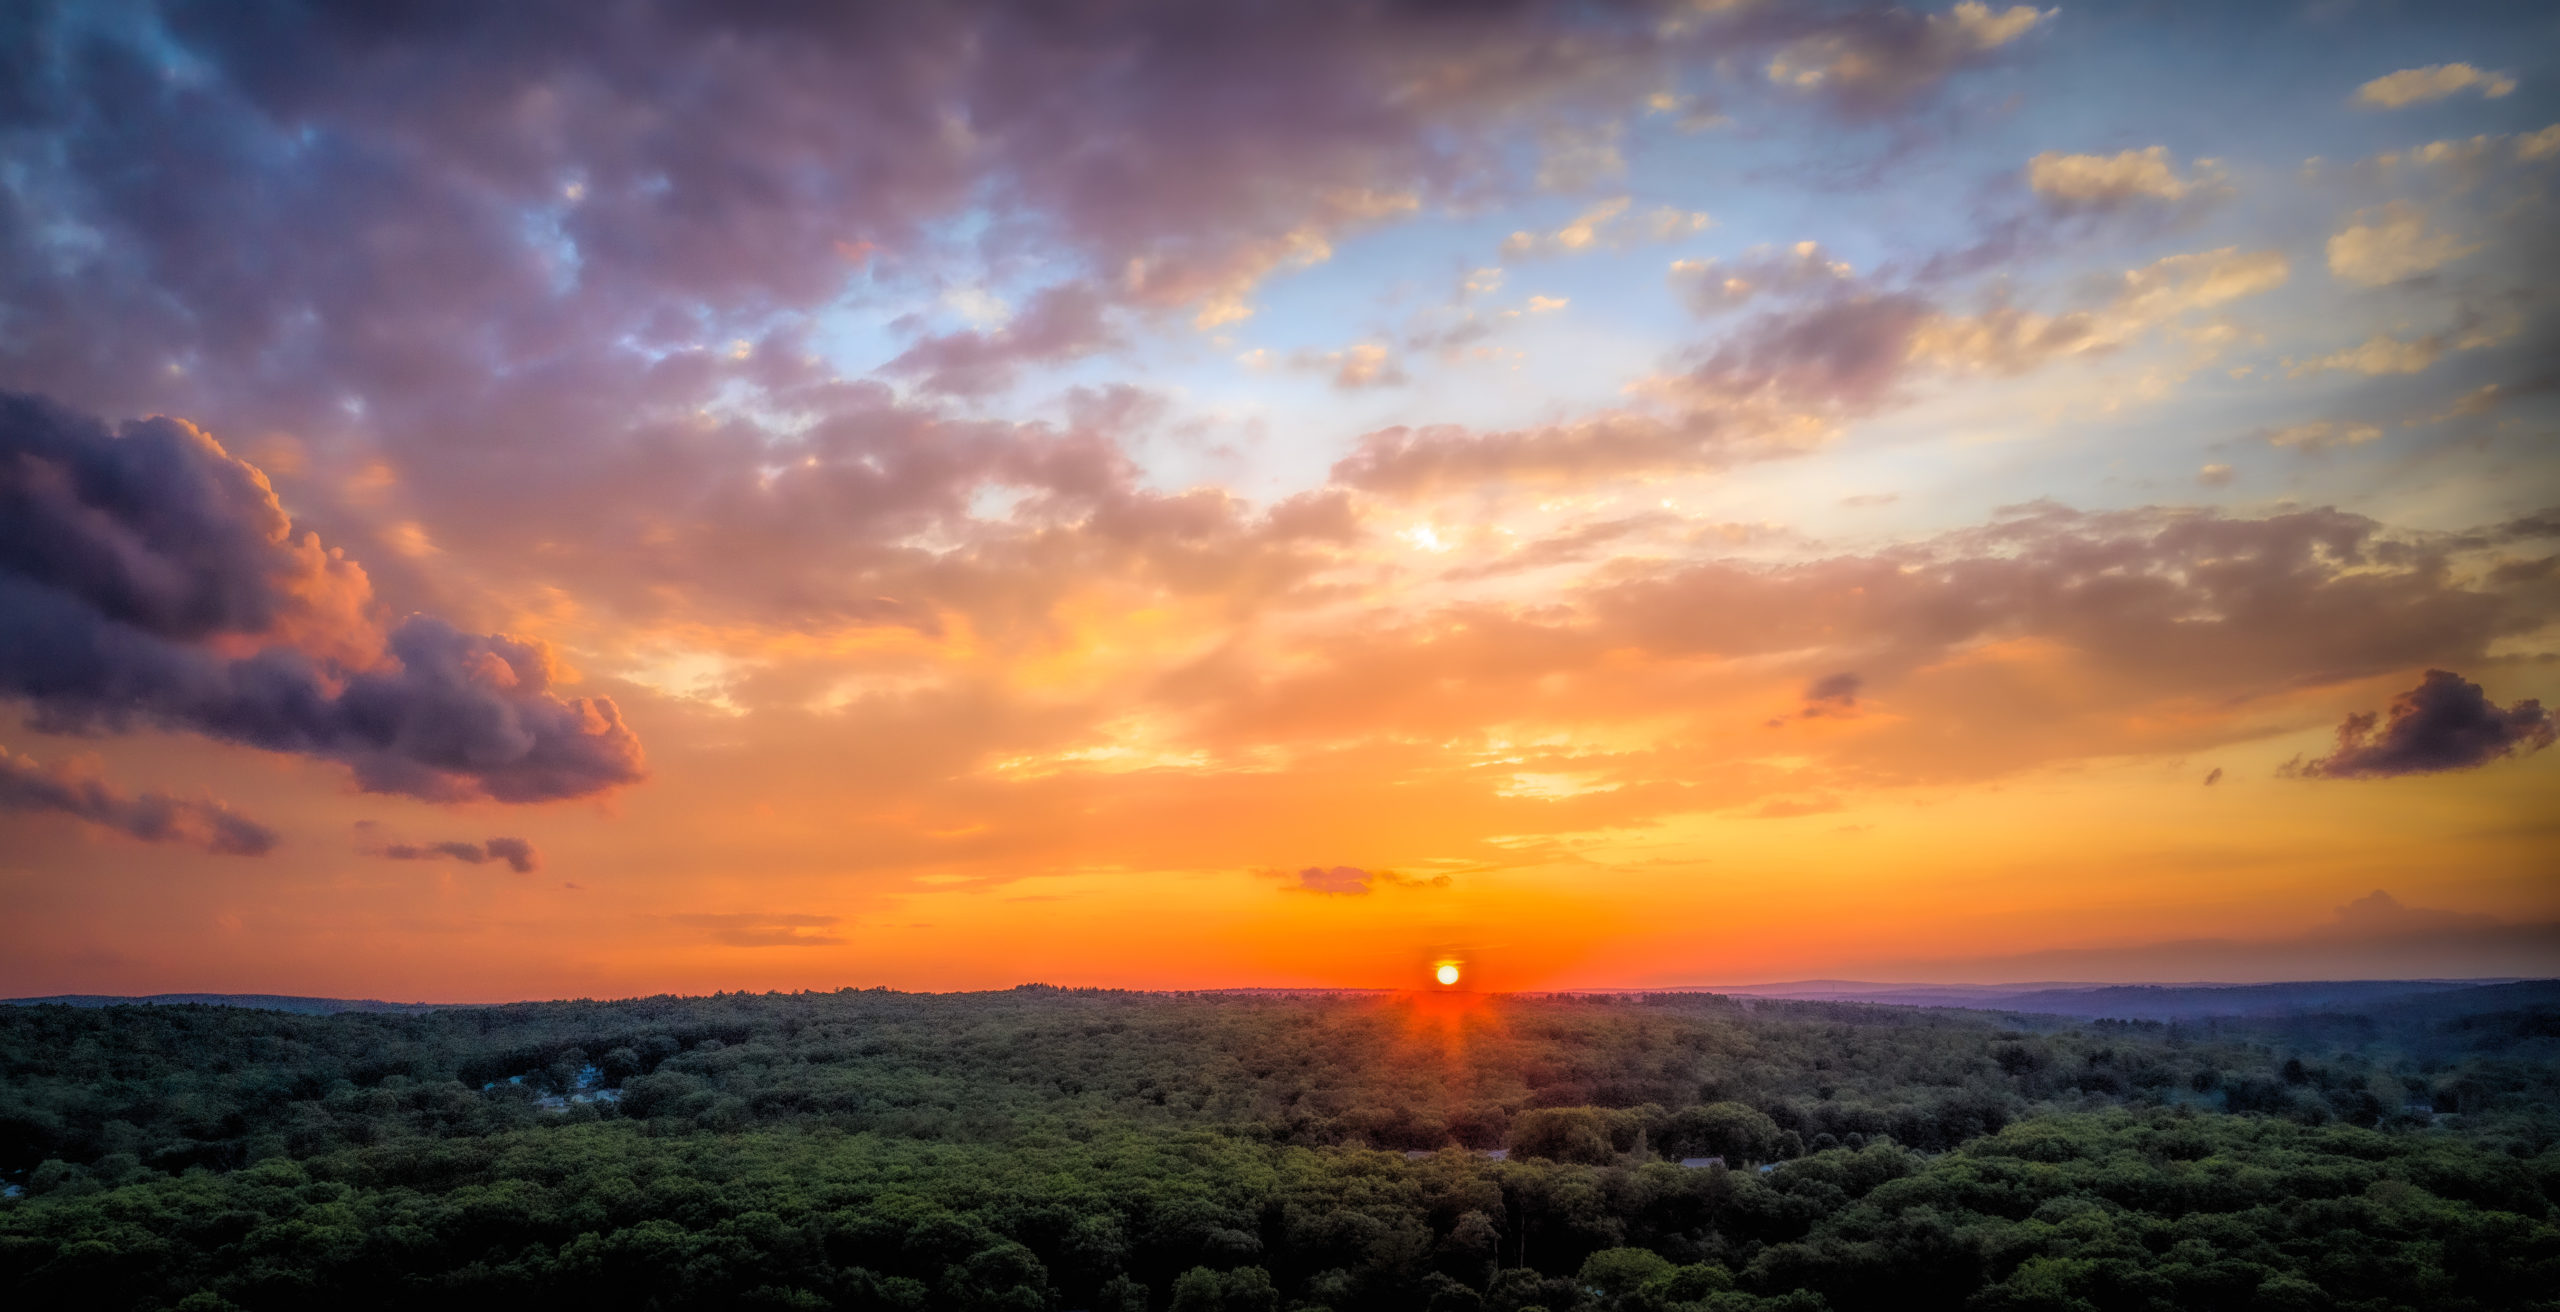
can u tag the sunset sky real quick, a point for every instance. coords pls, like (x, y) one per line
(508, 500)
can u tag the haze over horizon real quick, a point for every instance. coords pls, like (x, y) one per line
(544, 501)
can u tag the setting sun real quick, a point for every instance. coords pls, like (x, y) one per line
(1447, 973)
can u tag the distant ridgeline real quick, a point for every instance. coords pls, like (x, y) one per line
(257, 1001)
(1062, 1149)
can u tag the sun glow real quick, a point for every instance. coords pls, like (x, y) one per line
(1447, 973)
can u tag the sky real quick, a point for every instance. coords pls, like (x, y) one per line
(506, 500)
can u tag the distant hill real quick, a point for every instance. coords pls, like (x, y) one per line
(256, 1001)
(2184, 1001)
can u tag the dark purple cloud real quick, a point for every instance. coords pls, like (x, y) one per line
(152, 817)
(517, 853)
(2445, 723)
(147, 575)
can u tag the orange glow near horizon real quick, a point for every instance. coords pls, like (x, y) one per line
(1519, 525)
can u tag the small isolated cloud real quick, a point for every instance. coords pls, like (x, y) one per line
(2214, 476)
(1573, 157)
(1878, 60)
(1332, 881)
(1352, 881)
(2213, 777)
(1354, 367)
(68, 789)
(1688, 113)
(1712, 286)
(2390, 247)
(517, 853)
(2322, 435)
(2379, 354)
(1832, 694)
(2106, 182)
(756, 930)
(1613, 223)
(2417, 86)
(2445, 723)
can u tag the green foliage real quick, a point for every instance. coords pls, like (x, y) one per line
(1059, 1150)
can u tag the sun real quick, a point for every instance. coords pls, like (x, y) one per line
(1447, 973)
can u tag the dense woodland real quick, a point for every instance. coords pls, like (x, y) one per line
(1062, 1149)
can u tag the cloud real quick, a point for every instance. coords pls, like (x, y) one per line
(1608, 224)
(146, 574)
(2213, 475)
(1783, 381)
(2213, 776)
(1832, 694)
(2380, 354)
(2445, 723)
(2393, 246)
(1712, 287)
(755, 930)
(516, 852)
(1572, 157)
(2416, 86)
(1352, 881)
(1335, 881)
(153, 817)
(2323, 435)
(1355, 367)
(1877, 60)
(2539, 145)
(1062, 323)
(2106, 182)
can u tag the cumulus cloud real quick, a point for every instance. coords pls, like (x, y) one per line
(2447, 722)
(516, 852)
(66, 789)
(2391, 246)
(2105, 182)
(146, 574)
(2416, 86)
(1880, 59)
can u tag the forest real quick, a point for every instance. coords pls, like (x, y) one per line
(1047, 1148)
